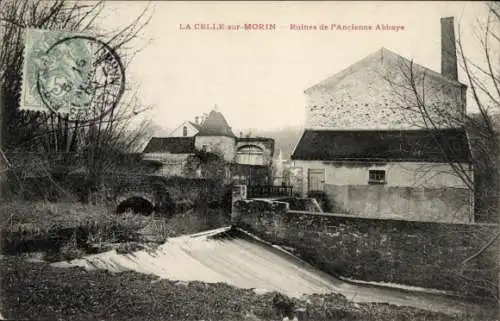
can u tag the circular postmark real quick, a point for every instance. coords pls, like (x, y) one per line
(81, 76)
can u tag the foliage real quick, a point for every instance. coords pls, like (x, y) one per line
(210, 165)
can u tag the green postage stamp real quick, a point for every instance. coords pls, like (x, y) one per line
(74, 75)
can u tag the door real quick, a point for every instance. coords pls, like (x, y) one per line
(316, 180)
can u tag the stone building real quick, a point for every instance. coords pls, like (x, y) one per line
(248, 160)
(371, 153)
(254, 160)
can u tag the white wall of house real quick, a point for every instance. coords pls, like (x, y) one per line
(411, 190)
(408, 174)
(219, 144)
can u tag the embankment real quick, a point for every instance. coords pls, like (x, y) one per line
(449, 257)
(69, 230)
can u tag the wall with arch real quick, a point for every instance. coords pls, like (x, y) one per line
(165, 193)
(266, 145)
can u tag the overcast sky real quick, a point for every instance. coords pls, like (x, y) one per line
(257, 78)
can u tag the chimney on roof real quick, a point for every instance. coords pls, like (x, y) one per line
(448, 49)
(196, 119)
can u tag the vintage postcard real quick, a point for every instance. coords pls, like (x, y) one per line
(71, 74)
(238, 160)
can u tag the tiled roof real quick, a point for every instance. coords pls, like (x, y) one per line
(215, 125)
(389, 145)
(174, 145)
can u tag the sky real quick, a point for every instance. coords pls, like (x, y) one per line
(257, 78)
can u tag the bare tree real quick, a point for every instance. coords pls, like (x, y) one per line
(423, 109)
(483, 79)
(98, 143)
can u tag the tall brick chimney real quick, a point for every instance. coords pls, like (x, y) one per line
(448, 49)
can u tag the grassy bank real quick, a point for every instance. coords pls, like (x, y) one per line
(67, 230)
(38, 291)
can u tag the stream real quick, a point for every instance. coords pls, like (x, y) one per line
(233, 257)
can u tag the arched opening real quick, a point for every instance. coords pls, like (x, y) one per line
(137, 205)
(250, 155)
(184, 131)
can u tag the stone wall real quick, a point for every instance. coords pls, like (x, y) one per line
(164, 193)
(168, 192)
(423, 254)
(169, 164)
(265, 144)
(221, 145)
(376, 94)
(449, 205)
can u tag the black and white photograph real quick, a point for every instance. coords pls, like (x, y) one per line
(249, 160)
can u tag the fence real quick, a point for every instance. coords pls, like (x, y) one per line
(254, 191)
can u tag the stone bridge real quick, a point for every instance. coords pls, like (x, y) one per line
(148, 196)
(128, 190)
(161, 194)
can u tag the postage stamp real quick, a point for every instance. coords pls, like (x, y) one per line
(75, 75)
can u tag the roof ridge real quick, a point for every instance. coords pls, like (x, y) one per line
(361, 63)
(424, 68)
(345, 71)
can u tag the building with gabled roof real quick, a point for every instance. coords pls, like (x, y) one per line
(249, 159)
(186, 129)
(367, 151)
(369, 95)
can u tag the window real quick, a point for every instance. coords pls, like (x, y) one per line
(376, 177)
(184, 131)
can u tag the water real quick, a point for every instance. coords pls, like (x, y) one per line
(232, 257)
